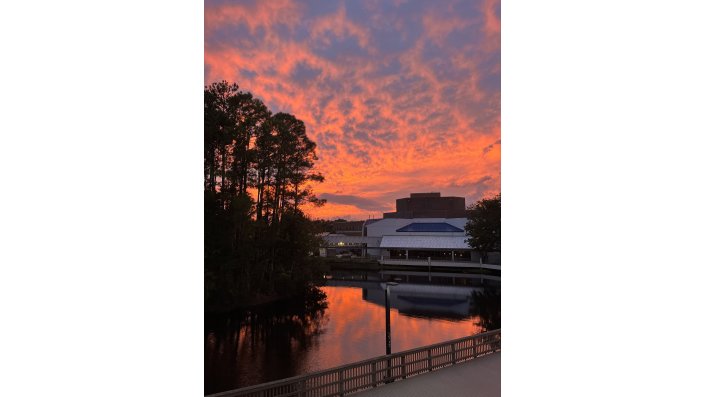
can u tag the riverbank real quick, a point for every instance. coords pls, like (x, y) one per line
(309, 298)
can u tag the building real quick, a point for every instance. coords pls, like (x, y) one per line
(349, 228)
(345, 245)
(408, 241)
(428, 205)
(424, 225)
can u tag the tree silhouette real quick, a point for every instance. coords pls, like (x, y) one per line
(256, 248)
(484, 226)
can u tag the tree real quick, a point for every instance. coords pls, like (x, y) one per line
(218, 130)
(484, 226)
(250, 115)
(289, 157)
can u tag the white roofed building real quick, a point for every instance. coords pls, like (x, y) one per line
(409, 241)
(400, 238)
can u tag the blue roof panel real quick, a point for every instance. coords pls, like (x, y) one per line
(429, 227)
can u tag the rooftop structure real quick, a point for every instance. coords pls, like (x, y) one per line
(351, 228)
(428, 205)
(429, 227)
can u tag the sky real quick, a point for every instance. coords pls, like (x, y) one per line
(400, 96)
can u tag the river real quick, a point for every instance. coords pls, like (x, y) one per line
(278, 342)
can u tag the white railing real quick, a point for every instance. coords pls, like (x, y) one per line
(437, 263)
(363, 375)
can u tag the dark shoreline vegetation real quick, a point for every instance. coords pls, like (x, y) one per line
(258, 171)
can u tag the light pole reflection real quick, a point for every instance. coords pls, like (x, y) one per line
(389, 327)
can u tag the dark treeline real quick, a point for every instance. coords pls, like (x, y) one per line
(258, 168)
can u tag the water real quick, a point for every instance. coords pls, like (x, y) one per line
(278, 342)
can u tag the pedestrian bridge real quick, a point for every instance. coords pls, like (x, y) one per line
(473, 361)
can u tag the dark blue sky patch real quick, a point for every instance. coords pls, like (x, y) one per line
(340, 49)
(318, 8)
(248, 74)
(227, 35)
(345, 106)
(304, 74)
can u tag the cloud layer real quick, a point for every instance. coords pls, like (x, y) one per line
(400, 96)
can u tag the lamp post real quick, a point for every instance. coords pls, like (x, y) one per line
(389, 327)
(429, 269)
(482, 271)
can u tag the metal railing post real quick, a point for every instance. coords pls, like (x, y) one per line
(430, 368)
(340, 382)
(403, 366)
(388, 378)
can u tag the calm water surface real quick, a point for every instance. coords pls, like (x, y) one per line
(274, 343)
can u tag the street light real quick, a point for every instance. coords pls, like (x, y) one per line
(429, 269)
(389, 327)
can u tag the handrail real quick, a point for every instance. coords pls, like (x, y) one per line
(366, 374)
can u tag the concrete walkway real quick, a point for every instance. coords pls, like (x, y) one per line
(477, 378)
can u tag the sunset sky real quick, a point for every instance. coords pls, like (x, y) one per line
(400, 96)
